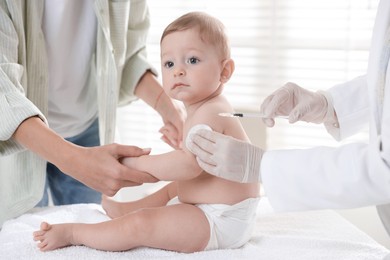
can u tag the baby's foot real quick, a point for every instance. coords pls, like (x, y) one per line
(51, 237)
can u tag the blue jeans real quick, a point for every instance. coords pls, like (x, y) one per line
(63, 188)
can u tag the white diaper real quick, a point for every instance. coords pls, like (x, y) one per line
(231, 226)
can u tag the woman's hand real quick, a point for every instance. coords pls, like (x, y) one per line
(100, 167)
(97, 167)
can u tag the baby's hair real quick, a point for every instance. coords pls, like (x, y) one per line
(211, 30)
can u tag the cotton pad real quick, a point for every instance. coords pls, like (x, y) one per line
(193, 130)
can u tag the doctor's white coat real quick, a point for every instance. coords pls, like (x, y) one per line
(353, 175)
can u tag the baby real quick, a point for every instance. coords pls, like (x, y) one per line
(196, 211)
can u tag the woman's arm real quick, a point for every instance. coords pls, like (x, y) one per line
(98, 167)
(15, 107)
(150, 91)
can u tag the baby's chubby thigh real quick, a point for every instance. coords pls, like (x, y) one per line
(179, 227)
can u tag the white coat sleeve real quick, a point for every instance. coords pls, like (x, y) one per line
(353, 175)
(352, 113)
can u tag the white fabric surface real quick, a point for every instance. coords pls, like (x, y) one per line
(303, 235)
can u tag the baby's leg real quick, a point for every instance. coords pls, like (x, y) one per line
(160, 198)
(100, 235)
(179, 227)
(114, 235)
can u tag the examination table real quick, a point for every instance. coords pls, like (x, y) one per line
(312, 235)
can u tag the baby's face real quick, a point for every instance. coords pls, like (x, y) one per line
(191, 68)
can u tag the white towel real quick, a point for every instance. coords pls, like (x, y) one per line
(304, 235)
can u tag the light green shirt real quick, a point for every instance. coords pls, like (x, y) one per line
(120, 62)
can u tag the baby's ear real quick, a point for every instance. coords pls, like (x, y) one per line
(227, 70)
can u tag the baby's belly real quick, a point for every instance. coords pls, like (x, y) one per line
(213, 190)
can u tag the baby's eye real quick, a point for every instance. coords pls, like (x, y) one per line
(193, 60)
(168, 64)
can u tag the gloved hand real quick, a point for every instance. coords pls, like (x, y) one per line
(225, 156)
(297, 103)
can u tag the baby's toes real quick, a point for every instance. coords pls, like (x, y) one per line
(39, 233)
(45, 226)
(42, 245)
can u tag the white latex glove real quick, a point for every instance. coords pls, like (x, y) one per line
(297, 103)
(225, 156)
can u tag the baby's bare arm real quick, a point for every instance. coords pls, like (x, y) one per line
(181, 164)
(172, 166)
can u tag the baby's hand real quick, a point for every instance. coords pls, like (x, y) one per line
(170, 135)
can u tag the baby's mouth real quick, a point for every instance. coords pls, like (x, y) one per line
(177, 85)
